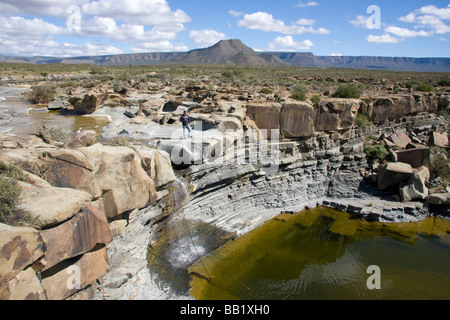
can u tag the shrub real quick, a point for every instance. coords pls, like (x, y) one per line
(119, 142)
(266, 91)
(10, 196)
(425, 88)
(42, 94)
(52, 134)
(377, 151)
(299, 93)
(363, 121)
(347, 91)
(315, 99)
(445, 82)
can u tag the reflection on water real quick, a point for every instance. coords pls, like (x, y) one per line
(21, 117)
(324, 254)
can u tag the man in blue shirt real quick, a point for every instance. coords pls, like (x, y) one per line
(186, 121)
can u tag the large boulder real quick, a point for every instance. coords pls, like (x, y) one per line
(50, 206)
(266, 116)
(297, 120)
(19, 248)
(79, 235)
(438, 140)
(119, 174)
(400, 138)
(336, 114)
(393, 173)
(86, 105)
(24, 286)
(415, 188)
(158, 165)
(416, 157)
(67, 168)
(73, 275)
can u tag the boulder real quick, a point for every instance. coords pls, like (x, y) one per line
(65, 168)
(87, 105)
(82, 139)
(438, 199)
(438, 140)
(19, 248)
(73, 275)
(416, 157)
(158, 165)
(24, 286)
(415, 188)
(336, 114)
(152, 107)
(50, 206)
(79, 235)
(400, 139)
(266, 116)
(297, 120)
(120, 177)
(393, 173)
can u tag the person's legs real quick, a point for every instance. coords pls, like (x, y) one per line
(184, 131)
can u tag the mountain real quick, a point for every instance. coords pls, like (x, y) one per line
(231, 52)
(234, 52)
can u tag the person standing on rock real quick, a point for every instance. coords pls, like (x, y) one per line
(186, 121)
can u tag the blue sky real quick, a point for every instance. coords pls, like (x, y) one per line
(85, 27)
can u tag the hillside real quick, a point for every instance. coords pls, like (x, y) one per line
(234, 52)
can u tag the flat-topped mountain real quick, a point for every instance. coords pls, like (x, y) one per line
(234, 52)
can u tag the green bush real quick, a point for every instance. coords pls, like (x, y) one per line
(347, 91)
(363, 121)
(425, 88)
(10, 196)
(50, 135)
(377, 151)
(42, 94)
(315, 99)
(445, 82)
(266, 91)
(299, 93)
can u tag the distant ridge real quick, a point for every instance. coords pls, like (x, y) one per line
(234, 52)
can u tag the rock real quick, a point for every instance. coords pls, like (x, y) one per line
(415, 188)
(50, 206)
(171, 106)
(76, 236)
(153, 106)
(87, 105)
(70, 169)
(82, 139)
(400, 139)
(266, 116)
(71, 276)
(55, 105)
(438, 140)
(393, 173)
(19, 248)
(297, 120)
(119, 174)
(336, 114)
(439, 199)
(24, 286)
(417, 157)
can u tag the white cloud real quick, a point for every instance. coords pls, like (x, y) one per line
(54, 8)
(235, 13)
(160, 46)
(386, 38)
(430, 17)
(306, 22)
(303, 5)
(406, 33)
(207, 37)
(265, 22)
(288, 44)
(360, 22)
(145, 12)
(336, 54)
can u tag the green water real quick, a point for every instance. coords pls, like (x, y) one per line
(325, 254)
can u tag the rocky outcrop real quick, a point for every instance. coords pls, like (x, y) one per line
(297, 120)
(65, 250)
(336, 114)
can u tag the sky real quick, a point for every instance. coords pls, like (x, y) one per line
(68, 28)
